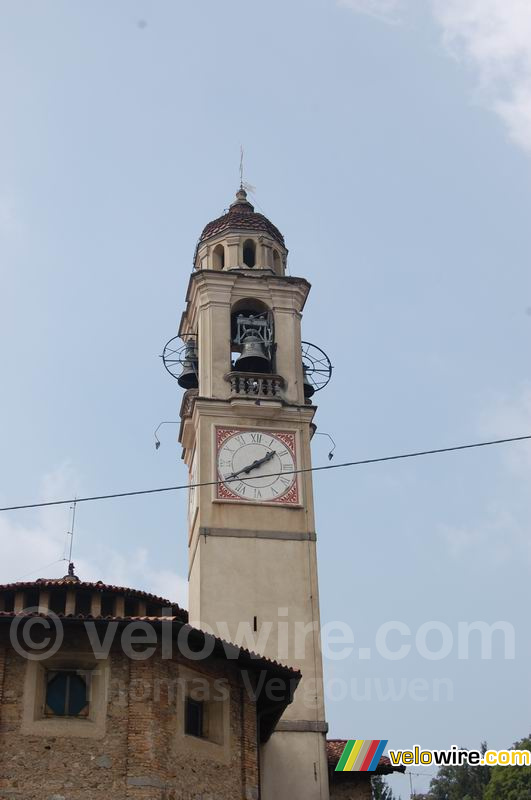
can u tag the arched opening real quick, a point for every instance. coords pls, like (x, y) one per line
(249, 253)
(218, 257)
(276, 262)
(252, 336)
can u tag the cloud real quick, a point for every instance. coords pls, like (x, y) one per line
(491, 36)
(494, 37)
(498, 538)
(40, 542)
(384, 10)
(511, 416)
(502, 534)
(38, 548)
(135, 569)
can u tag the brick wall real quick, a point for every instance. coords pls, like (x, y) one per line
(2, 671)
(350, 786)
(250, 769)
(143, 753)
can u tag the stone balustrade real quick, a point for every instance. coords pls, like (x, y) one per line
(250, 384)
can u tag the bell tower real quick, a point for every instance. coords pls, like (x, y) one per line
(246, 426)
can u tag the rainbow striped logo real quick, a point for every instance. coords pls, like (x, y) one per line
(361, 755)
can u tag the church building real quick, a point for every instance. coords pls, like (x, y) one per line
(140, 699)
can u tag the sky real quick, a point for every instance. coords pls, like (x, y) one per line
(390, 141)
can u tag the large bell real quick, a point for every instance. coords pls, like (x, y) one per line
(188, 377)
(254, 357)
(309, 388)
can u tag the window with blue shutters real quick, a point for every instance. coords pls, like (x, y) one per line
(66, 694)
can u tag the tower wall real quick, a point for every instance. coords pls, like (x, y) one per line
(253, 564)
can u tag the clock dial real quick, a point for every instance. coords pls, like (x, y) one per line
(257, 466)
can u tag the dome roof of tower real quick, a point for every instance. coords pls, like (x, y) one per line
(241, 216)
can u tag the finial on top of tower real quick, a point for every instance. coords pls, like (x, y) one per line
(241, 203)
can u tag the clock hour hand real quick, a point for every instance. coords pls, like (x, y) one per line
(257, 463)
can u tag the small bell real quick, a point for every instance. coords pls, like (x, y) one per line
(188, 377)
(309, 388)
(254, 357)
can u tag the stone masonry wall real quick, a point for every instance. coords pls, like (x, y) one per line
(2, 670)
(41, 768)
(141, 755)
(355, 787)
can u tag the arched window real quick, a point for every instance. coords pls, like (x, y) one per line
(249, 253)
(276, 262)
(218, 257)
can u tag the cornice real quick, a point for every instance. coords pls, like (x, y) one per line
(224, 283)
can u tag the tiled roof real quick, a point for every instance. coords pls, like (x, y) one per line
(270, 709)
(50, 583)
(101, 618)
(241, 216)
(334, 750)
(97, 586)
(221, 646)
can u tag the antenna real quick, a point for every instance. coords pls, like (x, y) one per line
(71, 531)
(248, 187)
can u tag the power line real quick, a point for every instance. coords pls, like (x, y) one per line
(270, 474)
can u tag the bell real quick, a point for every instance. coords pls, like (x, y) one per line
(254, 357)
(188, 377)
(309, 388)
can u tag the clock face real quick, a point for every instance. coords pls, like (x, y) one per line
(257, 466)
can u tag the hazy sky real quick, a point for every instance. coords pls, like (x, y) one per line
(391, 143)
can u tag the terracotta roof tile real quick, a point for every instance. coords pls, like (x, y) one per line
(97, 586)
(179, 616)
(238, 220)
(241, 216)
(221, 645)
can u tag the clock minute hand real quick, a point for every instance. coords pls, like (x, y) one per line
(252, 466)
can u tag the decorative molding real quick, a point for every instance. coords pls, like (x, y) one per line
(297, 536)
(301, 726)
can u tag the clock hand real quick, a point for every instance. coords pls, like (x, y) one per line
(252, 466)
(260, 461)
